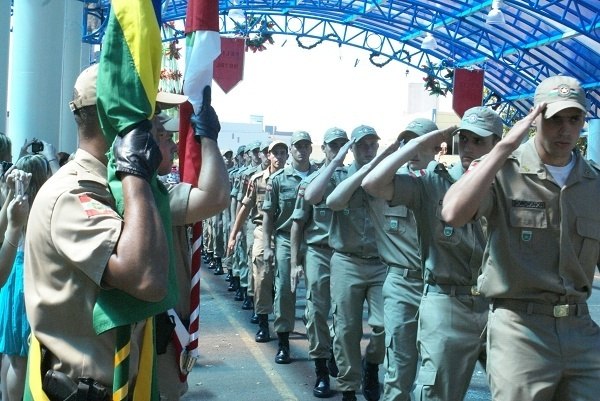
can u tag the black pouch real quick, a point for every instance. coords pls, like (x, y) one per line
(58, 386)
(164, 331)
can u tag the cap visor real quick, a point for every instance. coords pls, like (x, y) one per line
(553, 108)
(474, 129)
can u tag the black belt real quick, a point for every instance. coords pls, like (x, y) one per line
(452, 290)
(542, 309)
(407, 273)
(354, 255)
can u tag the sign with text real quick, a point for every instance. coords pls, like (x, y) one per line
(467, 91)
(228, 68)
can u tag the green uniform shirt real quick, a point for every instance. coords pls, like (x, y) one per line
(448, 255)
(316, 218)
(255, 196)
(352, 229)
(396, 232)
(544, 241)
(280, 198)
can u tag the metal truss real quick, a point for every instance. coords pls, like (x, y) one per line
(540, 37)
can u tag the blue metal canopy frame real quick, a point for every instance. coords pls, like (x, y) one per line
(540, 38)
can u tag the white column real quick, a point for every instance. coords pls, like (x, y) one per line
(593, 140)
(4, 46)
(45, 59)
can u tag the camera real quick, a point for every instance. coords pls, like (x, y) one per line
(37, 146)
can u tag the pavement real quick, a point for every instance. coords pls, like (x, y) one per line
(232, 366)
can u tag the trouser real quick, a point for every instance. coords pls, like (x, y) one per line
(534, 356)
(318, 300)
(263, 276)
(208, 235)
(240, 261)
(401, 300)
(218, 235)
(169, 385)
(284, 305)
(353, 281)
(450, 338)
(249, 280)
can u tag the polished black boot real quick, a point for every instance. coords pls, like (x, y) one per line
(248, 302)
(218, 266)
(262, 335)
(234, 284)
(229, 275)
(370, 381)
(240, 294)
(322, 389)
(331, 365)
(349, 396)
(283, 352)
(208, 258)
(254, 318)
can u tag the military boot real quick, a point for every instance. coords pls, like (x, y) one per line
(283, 352)
(322, 389)
(240, 294)
(248, 302)
(370, 381)
(229, 275)
(254, 318)
(349, 396)
(218, 266)
(262, 335)
(208, 258)
(234, 284)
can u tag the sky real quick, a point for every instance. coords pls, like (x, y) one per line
(313, 90)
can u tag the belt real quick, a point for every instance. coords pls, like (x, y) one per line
(452, 290)
(408, 273)
(542, 309)
(354, 255)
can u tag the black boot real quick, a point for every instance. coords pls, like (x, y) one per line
(370, 381)
(254, 318)
(349, 396)
(283, 352)
(209, 259)
(322, 389)
(218, 266)
(248, 302)
(240, 294)
(229, 275)
(234, 284)
(262, 335)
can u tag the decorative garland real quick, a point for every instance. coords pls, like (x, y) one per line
(377, 54)
(170, 74)
(256, 43)
(318, 42)
(432, 85)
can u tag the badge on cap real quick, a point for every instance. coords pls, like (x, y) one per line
(472, 118)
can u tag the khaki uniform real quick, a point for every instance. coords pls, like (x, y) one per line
(280, 200)
(66, 252)
(240, 264)
(261, 273)
(357, 275)
(170, 386)
(397, 243)
(451, 333)
(317, 221)
(543, 250)
(249, 227)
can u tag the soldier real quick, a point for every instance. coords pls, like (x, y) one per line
(252, 206)
(309, 236)
(538, 199)
(452, 315)
(277, 223)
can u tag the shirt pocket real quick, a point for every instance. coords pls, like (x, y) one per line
(444, 232)
(526, 223)
(589, 231)
(396, 220)
(322, 214)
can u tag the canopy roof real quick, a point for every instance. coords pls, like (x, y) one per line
(539, 38)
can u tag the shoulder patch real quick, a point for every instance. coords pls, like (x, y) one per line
(92, 207)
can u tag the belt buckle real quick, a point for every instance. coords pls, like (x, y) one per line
(474, 291)
(560, 310)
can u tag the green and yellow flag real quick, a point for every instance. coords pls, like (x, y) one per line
(127, 85)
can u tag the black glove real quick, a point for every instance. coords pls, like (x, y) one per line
(206, 122)
(137, 153)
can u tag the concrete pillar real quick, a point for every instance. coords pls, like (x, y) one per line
(4, 51)
(593, 140)
(45, 61)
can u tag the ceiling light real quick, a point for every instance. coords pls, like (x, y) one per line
(495, 16)
(429, 42)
